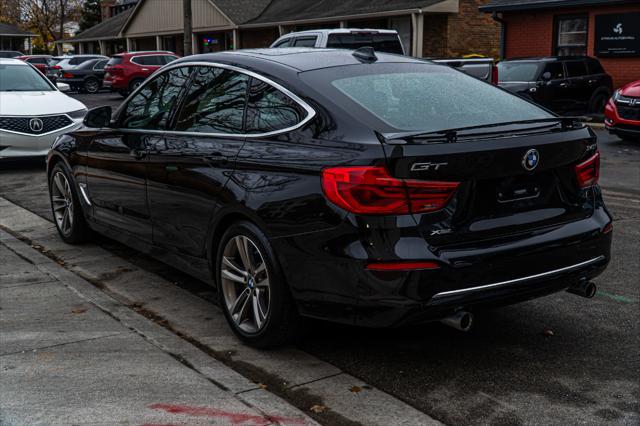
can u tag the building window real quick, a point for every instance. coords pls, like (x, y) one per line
(571, 36)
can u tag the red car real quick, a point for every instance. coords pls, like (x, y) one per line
(622, 113)
(126, 71)
(38, 61)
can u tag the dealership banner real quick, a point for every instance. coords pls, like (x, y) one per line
(617, 34)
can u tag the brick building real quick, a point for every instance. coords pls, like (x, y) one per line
(606, 29)
(428, 28)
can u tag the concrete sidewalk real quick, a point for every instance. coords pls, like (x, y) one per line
(69, 354)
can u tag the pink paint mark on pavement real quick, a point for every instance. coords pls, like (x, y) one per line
(233, 418)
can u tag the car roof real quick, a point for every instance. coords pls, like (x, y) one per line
(340, 31)
(298, 58)
(12, 61)
(145, 52)
(547, 58)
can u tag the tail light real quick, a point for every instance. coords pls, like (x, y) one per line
(372, 191)
(67, 75)
(494, 74)
(588, 172)
(56, 67)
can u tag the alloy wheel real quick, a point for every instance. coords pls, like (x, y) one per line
(91, 86)
(245, 284)
(62, 201)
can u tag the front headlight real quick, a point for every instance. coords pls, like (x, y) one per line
(616, 95)
(78, 114)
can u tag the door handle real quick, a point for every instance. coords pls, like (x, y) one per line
(593, 81)
(564, 84)
(145, 69)
(137, 154)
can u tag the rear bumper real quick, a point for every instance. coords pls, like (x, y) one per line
(338, 287)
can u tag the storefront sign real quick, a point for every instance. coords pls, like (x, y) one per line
(617, 34)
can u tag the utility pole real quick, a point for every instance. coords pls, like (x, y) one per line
(186, 6)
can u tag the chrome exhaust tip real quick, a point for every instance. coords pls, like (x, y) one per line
(461, 320)
(584, 288)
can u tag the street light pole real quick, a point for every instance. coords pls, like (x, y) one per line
(186, 6)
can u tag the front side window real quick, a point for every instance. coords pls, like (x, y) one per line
(571, 36)
(150, 108)
(305, 42)
(269, 109)
(518, 71)
(418, 97)
(283, 43)
(555, 69)
(215, 102)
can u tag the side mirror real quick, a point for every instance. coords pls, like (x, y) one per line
(63, 87)
(98, 117)
(546, 76)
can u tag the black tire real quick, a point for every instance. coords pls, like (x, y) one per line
(134, 84)
(282, 324)
(91, 85)
(78, 230)
(598, 101)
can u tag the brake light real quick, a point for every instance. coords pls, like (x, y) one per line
(494, 74)
(67, 75)
(402, 266)
(56, 67)
(372, 191)
(588, 172)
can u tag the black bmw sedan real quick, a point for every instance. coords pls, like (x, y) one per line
(358, 187)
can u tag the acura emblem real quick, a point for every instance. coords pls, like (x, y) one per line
(531, 159)
(36, 125)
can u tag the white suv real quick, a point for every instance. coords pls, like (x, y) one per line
(344, 38)
(33, 112)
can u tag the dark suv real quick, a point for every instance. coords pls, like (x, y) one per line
(565, 84)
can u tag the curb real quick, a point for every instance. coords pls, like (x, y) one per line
(313, 386)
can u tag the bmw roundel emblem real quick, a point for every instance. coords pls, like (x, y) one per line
(531, 159)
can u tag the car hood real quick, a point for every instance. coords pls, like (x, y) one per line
(37, 103)
(632, 89)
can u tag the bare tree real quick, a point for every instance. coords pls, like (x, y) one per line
(48, 17)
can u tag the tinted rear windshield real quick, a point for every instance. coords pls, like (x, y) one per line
(115, 60)
(388, 43)
(21, 78)
(425, 97)
(518, 71)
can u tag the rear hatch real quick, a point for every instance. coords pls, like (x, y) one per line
(498, 197)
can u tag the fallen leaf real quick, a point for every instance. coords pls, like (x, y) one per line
(547, 333)
(262, 386)
(355, 389)
(318, 408)
(79, 311)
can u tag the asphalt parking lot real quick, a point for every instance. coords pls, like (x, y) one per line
(556, 360)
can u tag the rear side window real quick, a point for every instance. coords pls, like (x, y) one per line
(388, 43)
(150, 108)
(269, 109)
(114, 60)
(576, 68)
(146, 60)
(555, 69)
(215, 102)
(100, 65)
(421, 97)
(305, 42)
(594, 67)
